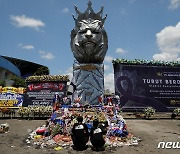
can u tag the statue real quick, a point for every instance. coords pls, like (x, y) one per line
(89, 39)
(89, 45)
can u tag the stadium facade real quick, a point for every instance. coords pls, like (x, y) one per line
(12, 66)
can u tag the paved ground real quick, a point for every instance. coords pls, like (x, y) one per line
(150, 131)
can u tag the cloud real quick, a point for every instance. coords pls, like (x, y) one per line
(27, 47)
(65, 10)
(109, 81)
(131, 1)
(106, 67)
(23, 21)
(166, 57)
(46, 55)
(168, 41)
(123, 11)
(108, 59)
(174, 4)
(120, 51)
(69, 72)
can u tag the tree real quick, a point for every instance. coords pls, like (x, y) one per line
(42, 71)
(2, 83)
(18, 82)
(107, 91)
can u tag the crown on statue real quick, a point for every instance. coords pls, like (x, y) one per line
(89, 14)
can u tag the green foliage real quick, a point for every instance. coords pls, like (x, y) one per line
(45, 78)
(57, 129)
(35, 110)
(42, 71)
(2, 83)
(107, 91)
(147, 62)
(176, 111)
(149, 111)
(18, 82)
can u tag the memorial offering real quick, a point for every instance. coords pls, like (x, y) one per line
(57, 130)
(4, 128)
(11, 97)
(41, 89)
(33, 111)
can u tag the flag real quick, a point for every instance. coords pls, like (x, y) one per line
(72, 87)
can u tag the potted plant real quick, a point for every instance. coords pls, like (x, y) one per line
(148, 112)
(175, 113)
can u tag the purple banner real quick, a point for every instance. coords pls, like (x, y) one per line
(141, 86)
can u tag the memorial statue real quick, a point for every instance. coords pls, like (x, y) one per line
(89, 45)
(89, 39)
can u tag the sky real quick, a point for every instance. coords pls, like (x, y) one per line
(39, 31)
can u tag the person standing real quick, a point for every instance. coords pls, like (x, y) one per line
(56, 102)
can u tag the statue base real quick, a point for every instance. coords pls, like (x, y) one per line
(89, 82)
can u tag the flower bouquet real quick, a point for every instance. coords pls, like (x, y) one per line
(148, 112)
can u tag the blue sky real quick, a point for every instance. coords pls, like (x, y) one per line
(39, 31)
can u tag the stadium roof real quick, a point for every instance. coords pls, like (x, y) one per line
(26, 68)
(7, 65)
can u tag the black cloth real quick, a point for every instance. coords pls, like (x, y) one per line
(80, 136)
(96, 136)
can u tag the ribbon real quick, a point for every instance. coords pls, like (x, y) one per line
(128, 95)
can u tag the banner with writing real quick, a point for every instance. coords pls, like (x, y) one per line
(43, 93)
(10, 98)
(141, 86)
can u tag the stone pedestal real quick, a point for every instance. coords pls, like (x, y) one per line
(89, 81)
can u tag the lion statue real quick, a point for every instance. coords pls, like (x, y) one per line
(89, 42)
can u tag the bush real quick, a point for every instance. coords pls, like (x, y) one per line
(175, 113)
(57, 129)
(148, 112)
(2, 83)
(42, 71)
(18, 82)
(32, 111)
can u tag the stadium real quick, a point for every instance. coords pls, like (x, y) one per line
(13, 66)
